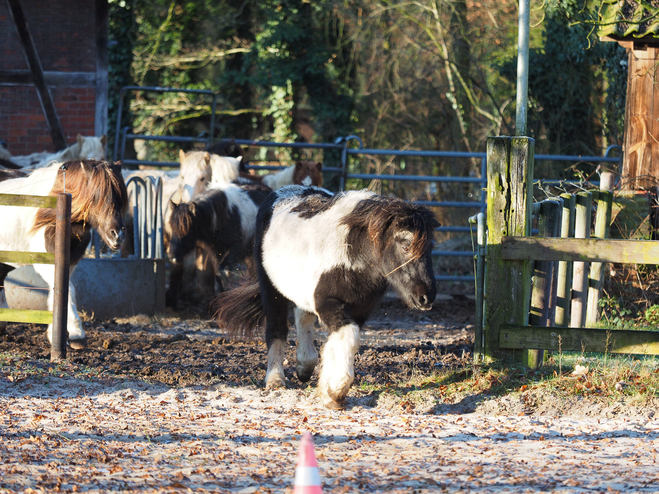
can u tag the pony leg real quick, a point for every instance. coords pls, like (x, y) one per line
(275, 377)
(275, 307)
(307, 355)
(76, 335)
(4, 270)
(338, 365)
(175, 281)
(3, 305)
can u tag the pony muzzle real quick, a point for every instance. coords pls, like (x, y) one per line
(115, 238)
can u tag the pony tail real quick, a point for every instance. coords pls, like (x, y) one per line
(240, 311)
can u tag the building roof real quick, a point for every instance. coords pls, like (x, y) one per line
(629, 19)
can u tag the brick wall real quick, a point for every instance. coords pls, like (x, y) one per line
(64, 33)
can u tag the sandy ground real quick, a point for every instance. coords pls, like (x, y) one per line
(122, 429)
(70, 435)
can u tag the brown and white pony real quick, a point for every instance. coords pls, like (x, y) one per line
(220, 223)
(202, 170)
(98, 200)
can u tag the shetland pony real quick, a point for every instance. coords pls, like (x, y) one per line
(85, 148)
(8, 174)
(301, 173)
(220, 223)
(98, 200)
(200, 169)
(333, 257)
(228, 147)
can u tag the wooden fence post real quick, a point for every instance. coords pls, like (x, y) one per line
(564, 288)
(61, 286)
(543, 291)
(602, 227)
(509, 200)
(580, 270)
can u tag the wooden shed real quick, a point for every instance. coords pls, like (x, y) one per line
(53, 72)
(635, 25)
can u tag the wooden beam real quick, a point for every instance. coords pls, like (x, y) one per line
(53, 78)
(34, 63)
(27, 316)
(27, 257)
(580, 340)
(576, 249)
(28, 201)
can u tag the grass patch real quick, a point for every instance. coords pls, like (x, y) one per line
(596, 377)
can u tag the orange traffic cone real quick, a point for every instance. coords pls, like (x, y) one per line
(307, 478)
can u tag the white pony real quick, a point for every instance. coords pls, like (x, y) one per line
(98, 200)
(85, 148)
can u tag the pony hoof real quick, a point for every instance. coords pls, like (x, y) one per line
(275, 384)
(304, 374)
(335, 405)
(78, 344)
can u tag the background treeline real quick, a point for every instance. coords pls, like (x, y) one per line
(436, 74)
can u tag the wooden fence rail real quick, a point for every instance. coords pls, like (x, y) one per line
(60, 258)
(519, 319)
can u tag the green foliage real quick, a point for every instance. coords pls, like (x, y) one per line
(437, 75)
(120, 55)
(651, 315)
(615, 313)
(576, 86)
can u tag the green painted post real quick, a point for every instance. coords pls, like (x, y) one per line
(509, 200)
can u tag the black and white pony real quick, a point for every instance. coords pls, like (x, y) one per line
(98, 200)
(333, 257)
(220, 222)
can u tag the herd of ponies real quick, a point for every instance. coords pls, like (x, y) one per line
(332, 256)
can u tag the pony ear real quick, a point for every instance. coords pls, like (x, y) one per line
(319, 166)
(181, 154)
(298, 165)
(207, 157)
(104, 140)
(80, 139)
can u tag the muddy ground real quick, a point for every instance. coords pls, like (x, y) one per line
(194, 350)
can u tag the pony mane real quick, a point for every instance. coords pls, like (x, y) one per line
(227, 147)
(183, 219)
(377, 214)
(92, 185)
